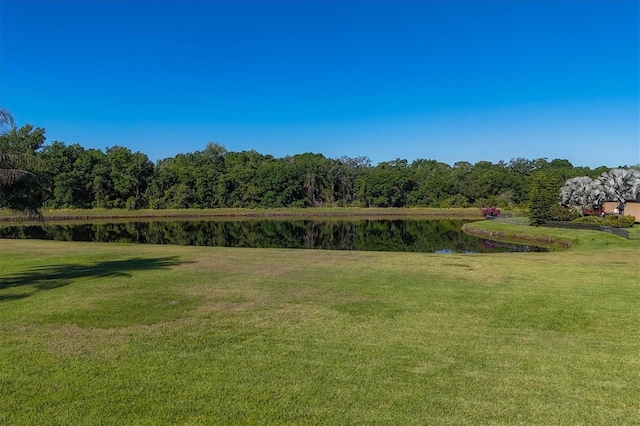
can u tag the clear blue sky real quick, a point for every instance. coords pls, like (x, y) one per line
(445, 80)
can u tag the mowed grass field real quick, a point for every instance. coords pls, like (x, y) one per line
(95, 333)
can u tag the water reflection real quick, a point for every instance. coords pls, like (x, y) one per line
(435, 236)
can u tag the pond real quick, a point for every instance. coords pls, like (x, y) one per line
(399, 235)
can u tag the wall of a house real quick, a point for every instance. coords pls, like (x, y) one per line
(632, 208)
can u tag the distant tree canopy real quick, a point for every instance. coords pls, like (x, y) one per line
(71, 176)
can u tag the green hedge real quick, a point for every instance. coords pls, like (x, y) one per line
(609, 220)
(626, 221)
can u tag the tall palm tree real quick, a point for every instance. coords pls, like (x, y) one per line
(13, 169)
(621, 185)
(12, 165)
(6, 119)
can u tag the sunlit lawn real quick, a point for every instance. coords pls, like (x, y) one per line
(96, 333)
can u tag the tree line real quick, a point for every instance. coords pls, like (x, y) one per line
(59, 175)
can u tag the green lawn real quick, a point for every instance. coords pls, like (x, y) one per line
(117, 334)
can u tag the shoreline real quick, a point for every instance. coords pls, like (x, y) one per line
(117, 214)
(549, 242)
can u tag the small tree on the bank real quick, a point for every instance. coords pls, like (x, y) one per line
(543, 197)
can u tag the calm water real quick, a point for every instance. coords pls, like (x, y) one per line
(435, 236)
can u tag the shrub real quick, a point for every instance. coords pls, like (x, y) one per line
(625, 221)
(562, 213)
(609, 220)
(490, 212)
(589, 219)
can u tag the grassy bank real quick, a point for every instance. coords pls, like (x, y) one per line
(121, 334)
(100, 214)
(553, 238)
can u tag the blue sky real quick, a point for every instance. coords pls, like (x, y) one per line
(444, 80)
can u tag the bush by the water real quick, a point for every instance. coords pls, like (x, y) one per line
(490, 212)
(609, 220)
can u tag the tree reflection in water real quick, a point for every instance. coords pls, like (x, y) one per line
(400, 235)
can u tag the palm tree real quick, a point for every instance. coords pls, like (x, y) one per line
(6, 119)
(620, 185)
(9, 173)
(582, 192)
(13, 168)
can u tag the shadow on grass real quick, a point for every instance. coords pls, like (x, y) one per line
(54, 276)
(13, 297)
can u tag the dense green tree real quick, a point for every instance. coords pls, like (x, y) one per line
(172, 184)
(433, 183)
(208, 170)
(129, 175)
(519, 172)
(239, 184)
(485, 182)
(346, 172)
(318, 179)
(69, 173)
(280, 183)
(386, 185)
